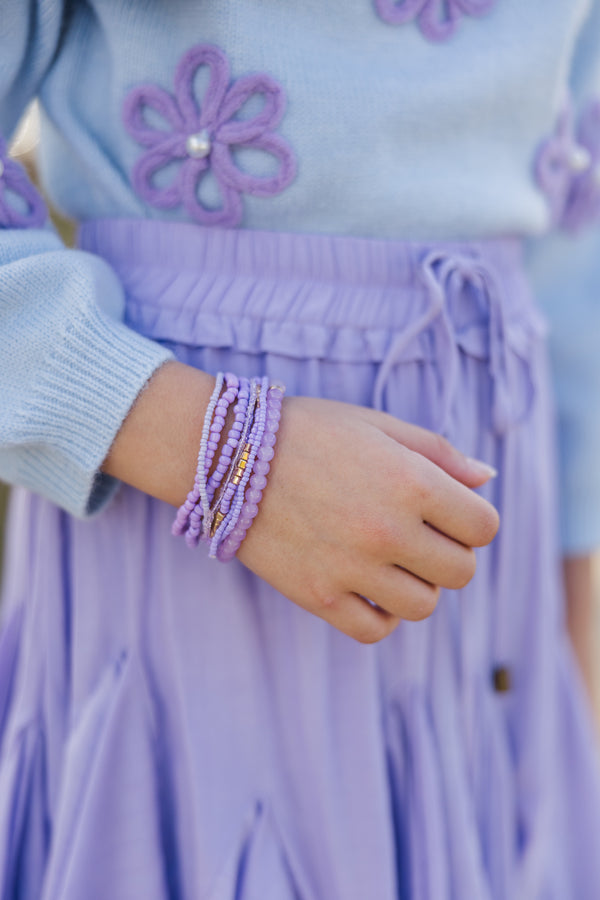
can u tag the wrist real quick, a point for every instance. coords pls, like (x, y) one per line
(156, 447)
(220, 508)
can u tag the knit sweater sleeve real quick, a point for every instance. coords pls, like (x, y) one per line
(565, 267)
(70, 370)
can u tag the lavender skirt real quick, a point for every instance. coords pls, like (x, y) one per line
(171, 727)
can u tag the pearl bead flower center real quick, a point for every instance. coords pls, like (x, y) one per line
(198, 145)
(580, 158)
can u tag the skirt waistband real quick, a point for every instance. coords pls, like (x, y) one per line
(372, 282)
(344, 260)
(338, 298)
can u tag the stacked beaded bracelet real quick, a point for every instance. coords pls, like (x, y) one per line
(220, 508)
(258, 479)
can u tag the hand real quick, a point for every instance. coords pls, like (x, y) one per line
(362, 505)
(358, 504)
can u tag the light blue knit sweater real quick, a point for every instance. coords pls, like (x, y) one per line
(395, 137)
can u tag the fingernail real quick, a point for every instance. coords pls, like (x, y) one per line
(482, 467)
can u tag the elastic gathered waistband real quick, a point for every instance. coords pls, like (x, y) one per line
(340, 299)
(341, 259)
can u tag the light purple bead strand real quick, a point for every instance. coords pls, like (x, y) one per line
(194, 529)
(230, 506)
(227, 487)
(254, 441)
(232, 543)
(265, 454)
(232, 384)
(233, 438)
(253, 496)
(258, 428)
(202, 507)
(181, 521)
(249, 424)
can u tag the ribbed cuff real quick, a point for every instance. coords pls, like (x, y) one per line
(87, 387)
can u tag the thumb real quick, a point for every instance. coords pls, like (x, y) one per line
(470, 472)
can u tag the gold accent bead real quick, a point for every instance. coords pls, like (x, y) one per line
(236, 479)
(219, 516)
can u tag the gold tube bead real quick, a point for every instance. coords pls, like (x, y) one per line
(216, 522)
(236, 479)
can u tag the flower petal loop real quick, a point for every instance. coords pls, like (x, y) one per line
(230, 209)
(153, 97)
(237, 131)
(216, 62)
(583, 202)
(148, 167)
(206, 126)
(567, 169)
(257, 185)
(437, 19)
(30, 211)
(397, 13)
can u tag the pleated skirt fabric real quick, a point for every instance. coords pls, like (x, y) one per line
(172, 727)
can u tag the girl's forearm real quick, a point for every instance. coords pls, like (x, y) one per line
(157, 446)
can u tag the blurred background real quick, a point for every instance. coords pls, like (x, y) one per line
(23, 149)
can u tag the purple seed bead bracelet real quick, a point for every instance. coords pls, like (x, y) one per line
(258, 479)
(233, 438)
(182, 523)
(242, 474)
(220, 508)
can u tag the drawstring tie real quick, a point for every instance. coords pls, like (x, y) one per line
(446, 277)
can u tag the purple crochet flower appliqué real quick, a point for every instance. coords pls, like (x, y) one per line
(567, 169)
(202, 134)
(29, 211)
(437, 19)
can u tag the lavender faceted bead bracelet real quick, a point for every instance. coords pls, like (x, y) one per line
(258, 479)
(221, 508)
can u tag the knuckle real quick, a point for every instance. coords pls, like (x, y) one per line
(416, 481)
(464, 570)
(376, 531)
(321, 599)
(374, 631)
(422, 603)
(487, 525)
(324, 602)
